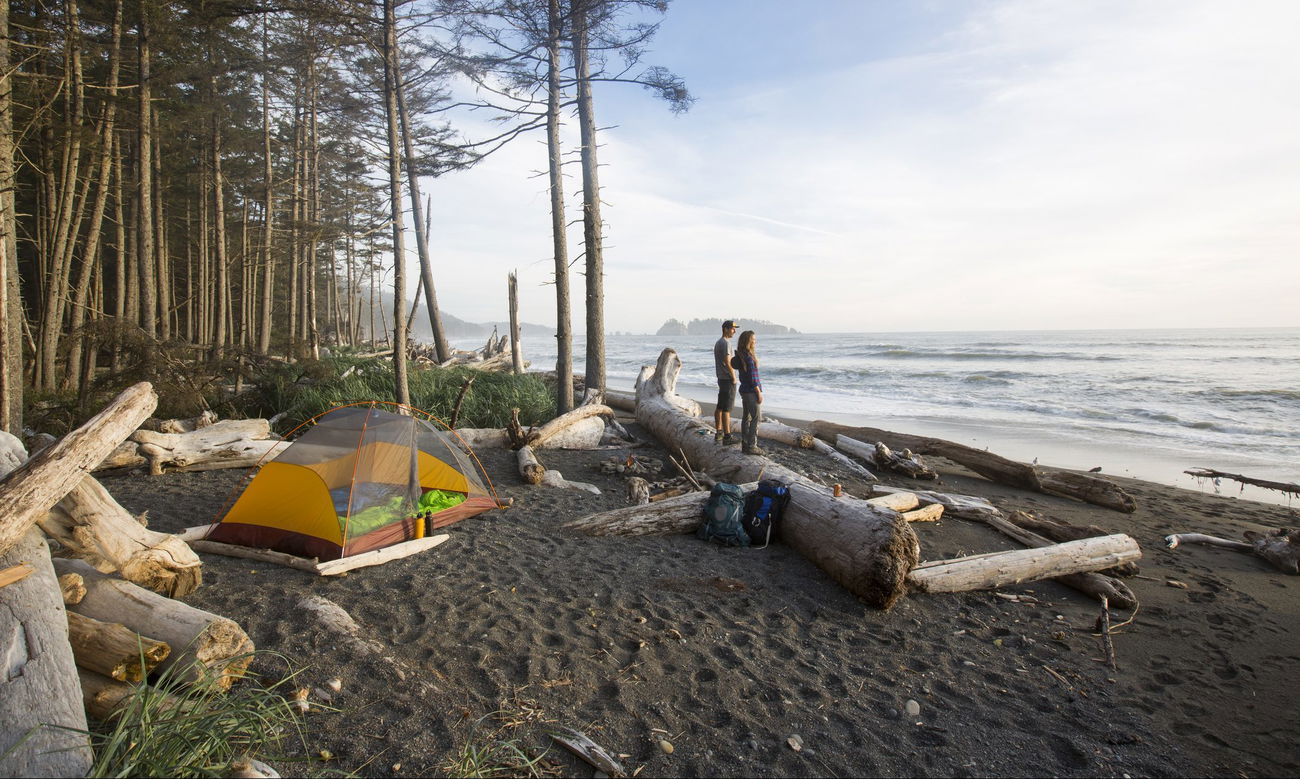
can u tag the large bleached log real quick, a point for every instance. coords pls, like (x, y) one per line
(821, 447)
(867, 549)
(206, 419)
(204, 645)
(581, 434)
(543, 435)
(1094, 583)
(93, 526)
(37, 484)
(623, 401)
(898, 501)
(1089, 489)
(113, 650)
(883, 457)
(670, 516)
(1000, 569)
(783, 433)
(40, 702)
(483, 437)
(230, 443)
(1060, 532)
(126, 455)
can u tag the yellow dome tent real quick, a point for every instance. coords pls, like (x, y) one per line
(361, 479)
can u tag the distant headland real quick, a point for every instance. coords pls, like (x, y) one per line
(714, 326)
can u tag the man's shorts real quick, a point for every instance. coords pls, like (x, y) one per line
(726, 396)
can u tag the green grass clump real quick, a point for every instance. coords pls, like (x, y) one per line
(307, 388)
(176, 729)
(495, 756)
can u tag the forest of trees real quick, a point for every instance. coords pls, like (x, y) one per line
(214, 181)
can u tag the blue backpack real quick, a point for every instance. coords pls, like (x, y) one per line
(763, 509)
(722, 516)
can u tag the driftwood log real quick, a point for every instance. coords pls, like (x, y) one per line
(30, 489)
(1093, 583)
(1000, 569)
(867, 549)
(530, 468)
(1289, 488)
(1281, 548)
(1060, 532)
(960, 506)
(230, 443)
(112, 649)
(91, 525)
(884, 458)
(42, 718)
(671, 516)
(205, 647)
(1089, 489)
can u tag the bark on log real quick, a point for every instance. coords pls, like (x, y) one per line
(1000, 569)
(671, 516)
(530, 468)
(992, 467)
(93, 526)
(1094, 583)
(39, 696)
(960, 506)
(867, 549)
(102, 695)
(112, 649)
(204, 645)
(231, 443)
(34, 486)
(1060, 532)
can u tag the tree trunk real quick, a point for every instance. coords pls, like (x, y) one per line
(530, 468)
(559, 227)
(94, 527)
(220, 324)
(867, 549)
(204, 646)
(591, 222)
(1001, 569)
(401, 389)
(33, 487)
(992, 467)
(516, 356)
(42, 719)
(231, 443)
(961, 506)
(144, 161)
(11, 313)
(112, 649)
(1055, 530)
(268, 205)
(670, 516)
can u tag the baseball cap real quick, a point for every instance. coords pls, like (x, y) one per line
(729, 323)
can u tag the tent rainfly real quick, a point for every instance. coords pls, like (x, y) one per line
(360, 479)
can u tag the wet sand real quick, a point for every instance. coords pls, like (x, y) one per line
(517, 626)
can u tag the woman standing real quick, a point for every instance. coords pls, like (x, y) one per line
(751, 392)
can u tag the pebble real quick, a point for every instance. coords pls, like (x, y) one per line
(335, 684)
(892, 713)
(1176, 583)
(795, 742)
(666, 746)
(912, 708)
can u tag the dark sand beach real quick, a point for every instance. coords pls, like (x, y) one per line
(517, 626)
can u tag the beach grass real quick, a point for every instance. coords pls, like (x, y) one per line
(492, 754)
(172, 728)
(305, 389)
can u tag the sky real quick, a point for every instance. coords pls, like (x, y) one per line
(873, 165)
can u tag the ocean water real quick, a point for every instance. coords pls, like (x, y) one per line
(1143, 403)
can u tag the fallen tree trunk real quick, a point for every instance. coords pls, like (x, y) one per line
(671, 516)
(1089, 489)
(883, 457)
(1060, 532)
(530, 468)
(1094, 583)
(623, 401)
(126, 455)
(483, 437)
(542, 436)
(42, 719)
(583, 434)
(101, 695)
(930, 513)
(231, 443)
(93, 526)
(204, 646)
(112, 649)
(1000, 569)
(29, 490)
(1210, 473)
(206, 419)
(867, 549)
(1281, 548)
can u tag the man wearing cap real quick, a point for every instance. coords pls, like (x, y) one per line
(726, 384)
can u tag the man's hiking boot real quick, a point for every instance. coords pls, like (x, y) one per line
(754, 450)
(730, 440)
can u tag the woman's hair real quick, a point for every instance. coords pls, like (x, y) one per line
(746, 345)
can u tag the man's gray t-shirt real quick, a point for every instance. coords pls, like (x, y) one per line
(722, 361)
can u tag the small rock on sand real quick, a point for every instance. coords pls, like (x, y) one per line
(912, 708)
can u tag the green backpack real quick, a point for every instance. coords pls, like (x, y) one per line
(722, 516)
